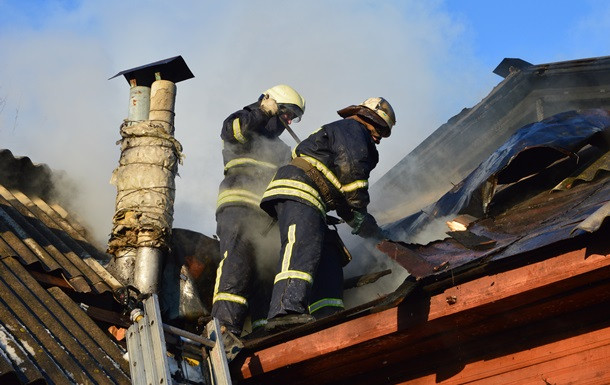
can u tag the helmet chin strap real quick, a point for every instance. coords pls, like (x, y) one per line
(369, 126)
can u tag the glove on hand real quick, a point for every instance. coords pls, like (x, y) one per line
(370, 229)
(269, 106)
(356, 222)
(365, 226)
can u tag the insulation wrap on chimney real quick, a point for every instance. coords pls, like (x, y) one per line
(145, 176)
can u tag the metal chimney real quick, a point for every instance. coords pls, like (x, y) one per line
(144, 178)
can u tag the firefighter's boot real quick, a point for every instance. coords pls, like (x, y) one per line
(288, 321)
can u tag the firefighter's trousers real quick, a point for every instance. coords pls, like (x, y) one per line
(305, 256)
(249, 249)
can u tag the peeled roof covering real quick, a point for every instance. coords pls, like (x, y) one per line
(548, 183)
(39, 232)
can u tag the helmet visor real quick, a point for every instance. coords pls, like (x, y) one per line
(290, 113)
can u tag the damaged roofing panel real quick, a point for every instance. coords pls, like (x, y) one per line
(47, 338)
(514, 194)
(39, 232)
(528, 94)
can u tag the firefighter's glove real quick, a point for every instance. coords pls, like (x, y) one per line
(370, 230)
(269, 106)
(356, 222)
(368, 227)
(364, 225)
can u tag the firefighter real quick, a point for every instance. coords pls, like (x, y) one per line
(252, 153)
(329, 171)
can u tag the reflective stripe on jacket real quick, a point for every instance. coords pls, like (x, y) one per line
(343, 152)
(252, 152)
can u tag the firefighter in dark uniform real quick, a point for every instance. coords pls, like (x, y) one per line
(252, 153)
(329, 171)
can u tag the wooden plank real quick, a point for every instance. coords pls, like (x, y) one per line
(499, 292)
(574, 360)
(50, 280)
(504, 285)
(442, 348)
(321, 343)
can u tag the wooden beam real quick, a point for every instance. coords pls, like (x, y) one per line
(447, 354)
(50, 280)
(469, 303)
(530, 278)
(547, 348)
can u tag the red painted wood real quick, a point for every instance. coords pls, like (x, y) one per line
(483, 307)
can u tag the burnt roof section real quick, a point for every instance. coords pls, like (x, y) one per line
(526, 95)
(173, 69)
(46, 338)
(39, 233)
(518, 200)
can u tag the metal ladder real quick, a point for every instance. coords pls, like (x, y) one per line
(148, 364)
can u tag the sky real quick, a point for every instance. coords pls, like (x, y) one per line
(429, 59)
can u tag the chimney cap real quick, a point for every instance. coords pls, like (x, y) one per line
(173, 69)
(510, 64)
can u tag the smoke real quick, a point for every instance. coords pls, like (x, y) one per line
(427, 181)
(368, 259)
(59, 108)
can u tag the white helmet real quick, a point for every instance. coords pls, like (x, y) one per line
(288, 99)
(382, 108)
(374, 110)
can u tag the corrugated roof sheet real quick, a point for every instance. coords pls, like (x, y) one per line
(47, 338)
(37, 230)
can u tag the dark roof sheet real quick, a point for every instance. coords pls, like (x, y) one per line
(517, 199)
(37, 231)
(47, 338)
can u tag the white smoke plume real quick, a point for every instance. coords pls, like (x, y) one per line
(58, 107)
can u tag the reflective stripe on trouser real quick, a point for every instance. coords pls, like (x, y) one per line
(236, 273)
(324, 303)
(327, 292)
(302, 229)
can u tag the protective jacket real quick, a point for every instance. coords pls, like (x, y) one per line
(344, 153)
(252, 152)
(330, 170)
